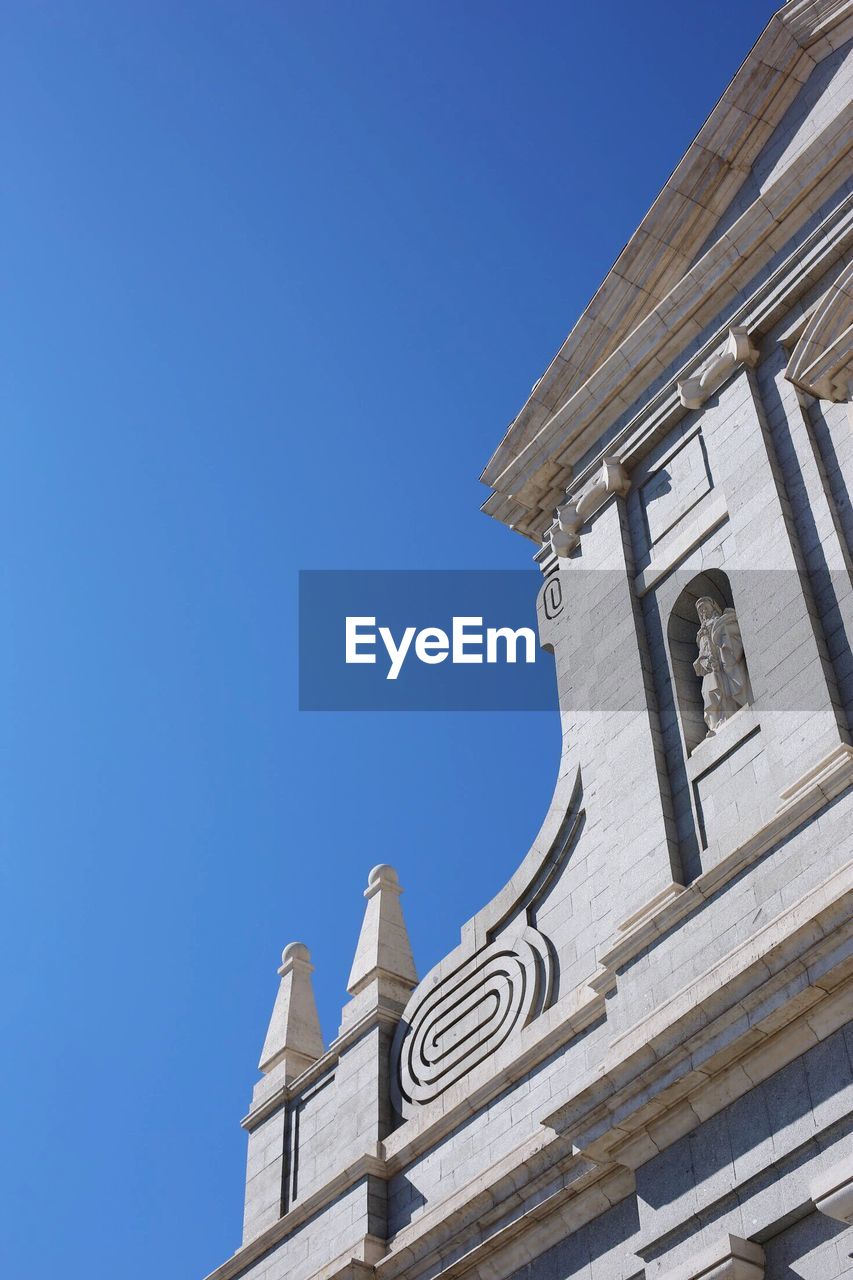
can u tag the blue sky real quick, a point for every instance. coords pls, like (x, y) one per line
(275, 278)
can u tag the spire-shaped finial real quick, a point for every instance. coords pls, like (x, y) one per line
(383, 944)
(294, 1036)
(383, 967)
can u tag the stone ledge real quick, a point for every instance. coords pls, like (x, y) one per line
(730, 1258)
(711, 750)
(468, 1212)
(559, 1212)
(699, 1035)
(811, 792)
(554, 1028)
(832, 1192)
(363, 1167)
(829, 777)
(358, 1265)
(471, 1207)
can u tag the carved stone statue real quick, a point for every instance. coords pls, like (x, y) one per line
(725, 686)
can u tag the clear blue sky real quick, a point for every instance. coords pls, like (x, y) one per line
(275, 278)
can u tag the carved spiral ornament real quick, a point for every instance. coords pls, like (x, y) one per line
(453, 1024)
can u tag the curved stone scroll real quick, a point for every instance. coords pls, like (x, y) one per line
(822, 361)
(451, 1027)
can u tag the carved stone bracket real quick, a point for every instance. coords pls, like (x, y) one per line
(564, 533)
(710, 376)
(832, 1191)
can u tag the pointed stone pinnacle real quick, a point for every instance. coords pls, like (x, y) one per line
(383, 972)
(383, 944)
(294, 1037)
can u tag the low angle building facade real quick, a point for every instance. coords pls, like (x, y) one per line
(638, 1062)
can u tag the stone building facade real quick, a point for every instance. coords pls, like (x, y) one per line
(638, 1062)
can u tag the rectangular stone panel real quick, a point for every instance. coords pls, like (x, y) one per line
(675, 486)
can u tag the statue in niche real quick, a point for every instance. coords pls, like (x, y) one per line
(725, 686)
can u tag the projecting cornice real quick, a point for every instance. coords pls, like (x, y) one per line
(660, 294)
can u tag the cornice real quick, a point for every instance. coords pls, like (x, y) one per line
(471, 1232)
(624, 330)
(365, 1166)
(764, 307)
(686, 210)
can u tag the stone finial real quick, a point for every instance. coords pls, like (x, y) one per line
(383, 944)
(294, 1036)
(383, 967)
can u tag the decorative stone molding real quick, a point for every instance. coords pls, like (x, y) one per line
(468, 1017)
(294, 1037)
(547, 559)
(832, 1191)
(568, 1017)
(564, 534)
(818, 785)
(811, 792)
(465, 1017)
(367, 1165)
(647, 304)
(674, 1067)
(523, 476)
(730, 1258)
(822, 361)
(710, 376)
